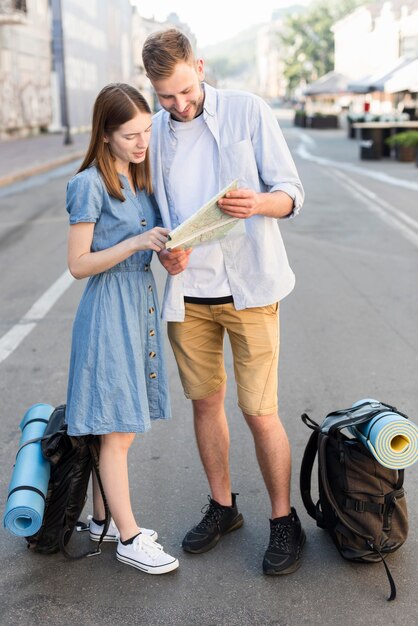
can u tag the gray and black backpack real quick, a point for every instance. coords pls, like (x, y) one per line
(361, 503)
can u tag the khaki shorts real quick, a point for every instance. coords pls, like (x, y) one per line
(254, 336)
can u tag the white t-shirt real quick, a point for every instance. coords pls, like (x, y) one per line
(192, 186)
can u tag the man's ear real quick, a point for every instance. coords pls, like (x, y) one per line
(200, 69)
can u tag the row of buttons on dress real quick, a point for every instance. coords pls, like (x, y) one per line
(146, 266)
(151, 310)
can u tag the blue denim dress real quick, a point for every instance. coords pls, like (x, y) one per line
(117, 378)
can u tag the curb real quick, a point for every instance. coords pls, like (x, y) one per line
(40, 169)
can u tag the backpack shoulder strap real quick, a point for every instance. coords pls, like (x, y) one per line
(306, 469)
(95, 451)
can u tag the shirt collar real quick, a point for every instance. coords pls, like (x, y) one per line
(209, 105)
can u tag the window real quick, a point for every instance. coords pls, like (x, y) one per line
(12, 6)
(409, 46)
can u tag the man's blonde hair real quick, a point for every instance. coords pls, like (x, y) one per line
(163, 50)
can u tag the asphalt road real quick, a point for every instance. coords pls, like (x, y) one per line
(349, 331)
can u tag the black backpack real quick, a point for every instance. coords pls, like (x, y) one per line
(361, 503)
(72, 460)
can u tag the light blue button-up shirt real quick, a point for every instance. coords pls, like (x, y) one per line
(250, 147)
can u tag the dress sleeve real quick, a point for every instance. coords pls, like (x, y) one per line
(84, 197)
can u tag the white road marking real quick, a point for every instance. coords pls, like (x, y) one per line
(303, 153)
(14, 337)
(391, 215)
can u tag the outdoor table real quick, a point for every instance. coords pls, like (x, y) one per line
(374, 134)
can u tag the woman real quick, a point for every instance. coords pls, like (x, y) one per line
(117, 380)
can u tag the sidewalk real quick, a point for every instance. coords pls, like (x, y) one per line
(21, 158)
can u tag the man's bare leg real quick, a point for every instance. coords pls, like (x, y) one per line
(287, 537)
(273, 455)
(212, 435)
(222, 515)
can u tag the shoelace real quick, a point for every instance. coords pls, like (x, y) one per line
(152, 548)
(281, 536)
(212, 514)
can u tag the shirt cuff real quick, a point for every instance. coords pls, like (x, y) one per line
(295, 193)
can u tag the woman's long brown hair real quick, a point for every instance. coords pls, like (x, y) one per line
(115, 105)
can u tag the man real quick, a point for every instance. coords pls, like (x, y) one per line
(202, 139)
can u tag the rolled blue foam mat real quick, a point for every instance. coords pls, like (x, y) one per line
(29, 483)
(391, 438)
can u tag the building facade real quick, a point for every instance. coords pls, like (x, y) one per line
(270, 68)
(371, 43)
(25, 67)
(56, 55)
(92, 44)
(375, 36)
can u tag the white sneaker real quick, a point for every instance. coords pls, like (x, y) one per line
(146, 555)
(112, 532)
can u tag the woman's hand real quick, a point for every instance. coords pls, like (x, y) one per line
(82, 262)
(153, 239)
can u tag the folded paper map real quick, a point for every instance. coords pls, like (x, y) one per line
(207, 224)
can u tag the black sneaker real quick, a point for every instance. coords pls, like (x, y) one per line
(287, 539)
(217, 521)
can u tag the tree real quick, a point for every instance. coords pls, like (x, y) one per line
(308, 42)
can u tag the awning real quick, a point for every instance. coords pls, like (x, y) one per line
(404, 79)
(378, 80)
(330, 83)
